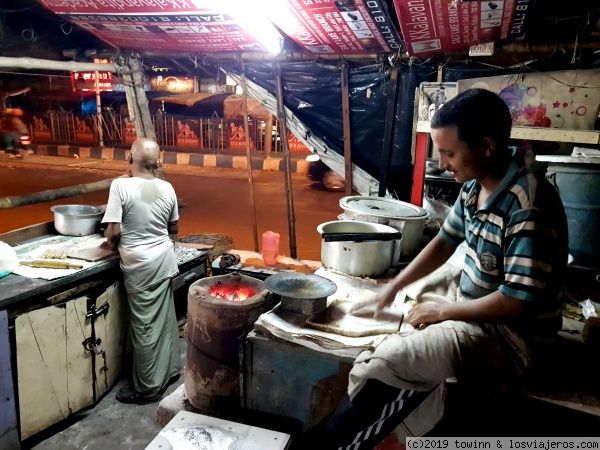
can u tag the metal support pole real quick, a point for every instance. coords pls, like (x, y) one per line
(389, 131)
(416, 197)
(268, 136)
(99, 109)
(249, 159)
(286, 159)
(346, 126)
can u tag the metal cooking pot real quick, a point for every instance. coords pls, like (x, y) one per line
(76, 220)
(366, 256)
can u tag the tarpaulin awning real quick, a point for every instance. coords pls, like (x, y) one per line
(233, 108)
(184, 99)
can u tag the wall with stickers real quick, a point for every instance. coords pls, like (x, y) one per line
(567, 99)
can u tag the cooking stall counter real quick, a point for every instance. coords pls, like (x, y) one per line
(67, 334)
(296, 359)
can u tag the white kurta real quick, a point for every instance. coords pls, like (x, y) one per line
(143, 208)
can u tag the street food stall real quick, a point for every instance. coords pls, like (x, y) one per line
(65, 321)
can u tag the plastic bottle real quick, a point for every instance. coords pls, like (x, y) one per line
(270, 247)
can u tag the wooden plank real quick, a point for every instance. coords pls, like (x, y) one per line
(42, 369)
(19, 235)
(567, 159)
(540, 134)
(112, 330)
(556, 135)
(79, 360)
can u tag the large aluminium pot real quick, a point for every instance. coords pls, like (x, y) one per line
(404, 217)
(76, 220)
(368, 258)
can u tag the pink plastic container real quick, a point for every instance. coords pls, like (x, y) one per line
(270, 247)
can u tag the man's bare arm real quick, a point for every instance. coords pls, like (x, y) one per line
(433, 256)
(491, 308)
(173, 229)
(113, 235)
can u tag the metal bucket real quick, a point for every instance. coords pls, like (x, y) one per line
(579, 189)
(214, 326)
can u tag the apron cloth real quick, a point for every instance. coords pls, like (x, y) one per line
(423, 360)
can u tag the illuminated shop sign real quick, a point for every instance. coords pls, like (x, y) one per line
(85, 81)
(178, 85)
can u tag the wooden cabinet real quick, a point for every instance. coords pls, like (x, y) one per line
(68, 355)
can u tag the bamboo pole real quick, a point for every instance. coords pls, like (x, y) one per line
(46, 64)
(346, 128)
(268, 136)
(99, 109)
(388, 135)
(249, 159)
(55, 194)
(286, 158)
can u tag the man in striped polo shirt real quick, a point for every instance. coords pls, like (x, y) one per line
(509, 289)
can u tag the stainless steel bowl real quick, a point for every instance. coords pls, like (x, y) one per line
(76, 220)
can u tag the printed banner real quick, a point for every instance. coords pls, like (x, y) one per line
(175, 25)
(129, 134)
(296, 145)
(237, 135)
(84, 129)
(187, 131)
(340, 26)
(430, 26)
(320, 26)
(41, 129)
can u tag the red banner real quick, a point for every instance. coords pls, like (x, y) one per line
(431, 26)
(84, 129)
(320, 26)
(296, 145)
(41, 129)
(177, 25)
(187, 133)
(340, 26)
(237, 135)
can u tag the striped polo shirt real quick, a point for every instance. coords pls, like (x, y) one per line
(517, 243)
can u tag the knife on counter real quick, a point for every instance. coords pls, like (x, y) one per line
(42, 264)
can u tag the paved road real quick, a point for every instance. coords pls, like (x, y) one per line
(218, 200)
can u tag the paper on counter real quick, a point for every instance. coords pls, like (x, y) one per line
(33, 251)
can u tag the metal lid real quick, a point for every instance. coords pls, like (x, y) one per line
(381, 207)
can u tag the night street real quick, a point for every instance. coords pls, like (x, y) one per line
(217, 200)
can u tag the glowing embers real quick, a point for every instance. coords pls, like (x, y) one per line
(232, 293)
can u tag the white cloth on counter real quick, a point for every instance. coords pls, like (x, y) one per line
(33, 251)
(291, 327)
(143, 208)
